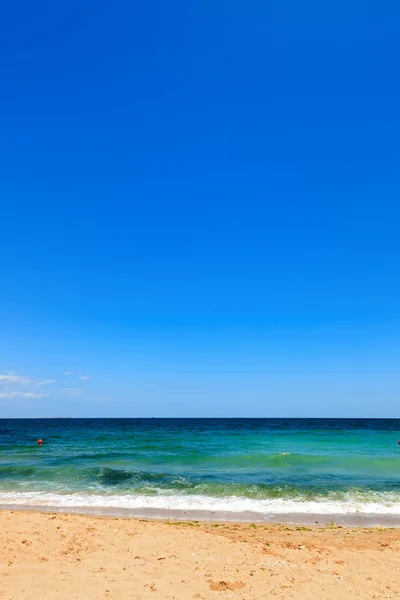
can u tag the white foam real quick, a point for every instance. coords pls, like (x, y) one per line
(386, 505)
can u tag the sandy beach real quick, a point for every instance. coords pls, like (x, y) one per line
(76, 557)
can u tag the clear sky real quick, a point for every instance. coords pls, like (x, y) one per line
(199, 208)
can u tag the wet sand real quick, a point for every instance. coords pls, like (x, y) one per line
(82, 557)
(356, 519)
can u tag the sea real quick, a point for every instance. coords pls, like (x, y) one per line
(286, 470)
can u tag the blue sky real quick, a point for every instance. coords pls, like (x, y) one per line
(199, 208)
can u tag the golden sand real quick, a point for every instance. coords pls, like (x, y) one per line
(74, 557)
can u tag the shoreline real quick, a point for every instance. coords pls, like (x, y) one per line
(65, 556)
(365, 521)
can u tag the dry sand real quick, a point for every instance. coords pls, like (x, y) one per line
(73, 557)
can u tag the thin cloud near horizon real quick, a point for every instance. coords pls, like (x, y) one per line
(8, 382)
(18, 394)
(82, 377)
(22, 379)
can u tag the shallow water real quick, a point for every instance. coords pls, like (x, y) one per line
(264, 466)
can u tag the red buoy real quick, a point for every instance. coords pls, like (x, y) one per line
(40, 442)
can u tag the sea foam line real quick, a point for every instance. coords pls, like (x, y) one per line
(234, 504)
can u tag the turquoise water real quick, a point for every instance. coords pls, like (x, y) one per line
(266, 466)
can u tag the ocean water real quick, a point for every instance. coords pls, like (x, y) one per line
(255, 468)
